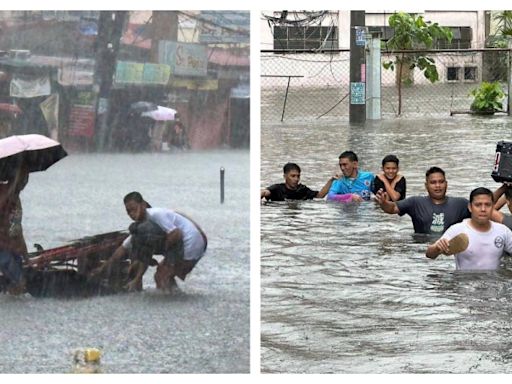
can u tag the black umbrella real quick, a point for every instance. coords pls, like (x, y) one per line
(143, 106)
(37, 152)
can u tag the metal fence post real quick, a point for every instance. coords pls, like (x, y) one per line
(285, 97)
(509, 77)
(222, 171)
(373, 83)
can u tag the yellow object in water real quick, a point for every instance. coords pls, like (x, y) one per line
(87, 361)
(92, 355)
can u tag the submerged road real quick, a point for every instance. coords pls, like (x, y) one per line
(203, 327)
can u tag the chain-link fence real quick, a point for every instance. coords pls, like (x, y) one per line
(307, 86)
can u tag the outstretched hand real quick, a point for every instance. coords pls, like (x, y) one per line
(381, 196)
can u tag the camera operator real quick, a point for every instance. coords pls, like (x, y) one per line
(504, 190)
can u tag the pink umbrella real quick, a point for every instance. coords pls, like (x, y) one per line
(38, 152)
(161, 114)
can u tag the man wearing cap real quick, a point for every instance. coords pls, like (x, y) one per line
(158, 231)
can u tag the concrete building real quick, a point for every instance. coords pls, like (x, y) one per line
(331, 30)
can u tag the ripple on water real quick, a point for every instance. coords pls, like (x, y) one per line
(347, 288)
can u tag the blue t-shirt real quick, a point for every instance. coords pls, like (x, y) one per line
(362, 185)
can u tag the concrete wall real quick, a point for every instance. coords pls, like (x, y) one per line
(321, 69)
(473, 19)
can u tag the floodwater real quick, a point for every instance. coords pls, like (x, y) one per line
(347, 288)
(203, 327)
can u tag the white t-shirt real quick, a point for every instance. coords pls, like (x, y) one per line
(485, 249)
(169, 220)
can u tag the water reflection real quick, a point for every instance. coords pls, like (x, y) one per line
(347, 288)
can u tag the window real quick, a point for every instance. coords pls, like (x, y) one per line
(386, 32)
(452, 73)
(461, 39)
(286, 37)
(470, 73)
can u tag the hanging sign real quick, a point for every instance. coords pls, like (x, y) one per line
(357, 93)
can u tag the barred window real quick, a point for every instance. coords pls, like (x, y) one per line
(452, 73)
(461, 39)
(386, 32)
(287, 37)
(470, 73)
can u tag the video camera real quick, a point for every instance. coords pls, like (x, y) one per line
(502, 170)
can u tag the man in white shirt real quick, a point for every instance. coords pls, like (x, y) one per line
(487, 239)
(159, 231)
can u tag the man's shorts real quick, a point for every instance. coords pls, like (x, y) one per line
(180, 269)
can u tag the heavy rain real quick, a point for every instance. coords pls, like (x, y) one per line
(153, 102)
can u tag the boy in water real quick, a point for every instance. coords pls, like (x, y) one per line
(292, 188)
(389, 180)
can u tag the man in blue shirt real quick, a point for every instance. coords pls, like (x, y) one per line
(354, 185)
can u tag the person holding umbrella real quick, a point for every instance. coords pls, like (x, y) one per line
(13, 248)
(19, 155)
(177, 135)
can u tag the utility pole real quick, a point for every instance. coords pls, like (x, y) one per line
(164, 27)
(357, 107)
(110, 29)
(509, 77)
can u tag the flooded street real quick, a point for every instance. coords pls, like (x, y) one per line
(201, 328)
(347, 288)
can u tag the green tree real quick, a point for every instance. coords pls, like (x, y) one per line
(495, 64)
(503, 30)
(413, 33)
(504, 19)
